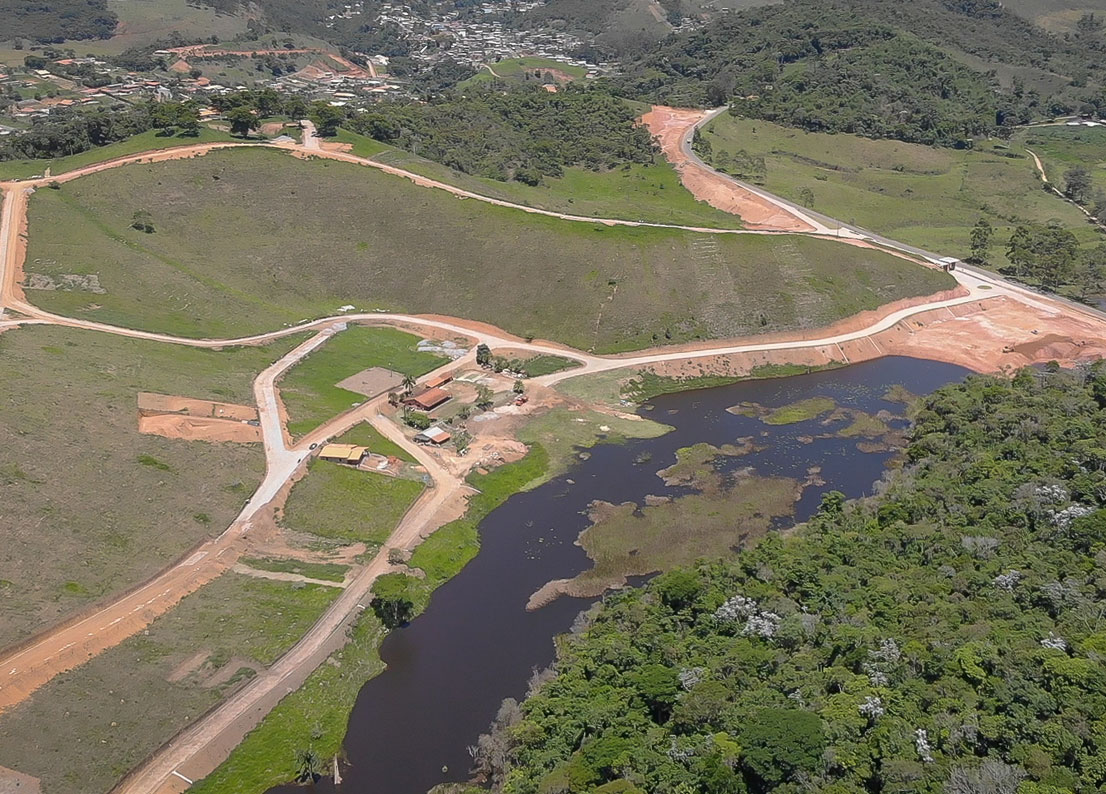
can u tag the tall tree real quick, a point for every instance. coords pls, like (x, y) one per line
(982, 234)
(1077, 184)
(242, 120)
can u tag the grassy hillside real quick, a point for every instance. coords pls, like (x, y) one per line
(520, 70)
(246, 240)
(57, 20)
(616, 25)
(90, 506)
(1063, 148)
(632, 191)
(918, 194)
(1057, 16)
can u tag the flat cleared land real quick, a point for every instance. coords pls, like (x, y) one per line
(348, 505)
(309, 389)
(222, 262)
(90, 505)
(84, 730)
(917, 194)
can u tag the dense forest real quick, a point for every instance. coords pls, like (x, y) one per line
(947, 635)
(875, 67)
(52, 21)
(524, 134)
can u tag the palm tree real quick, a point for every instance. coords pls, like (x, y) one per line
(408, 384)
(308, 765)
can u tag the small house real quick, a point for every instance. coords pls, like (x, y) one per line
(432, 435)
(439, 380)
(350, 454)
(427, 400)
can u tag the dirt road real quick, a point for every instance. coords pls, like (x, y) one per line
(196, 751)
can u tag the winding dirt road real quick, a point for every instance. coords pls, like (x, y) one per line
(197, 750)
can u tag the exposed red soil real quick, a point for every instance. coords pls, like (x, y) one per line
(668, 126)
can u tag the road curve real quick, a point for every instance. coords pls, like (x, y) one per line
(191, 753)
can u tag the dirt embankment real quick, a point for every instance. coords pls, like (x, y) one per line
(989, 335)
(197, 420)
(669, 126)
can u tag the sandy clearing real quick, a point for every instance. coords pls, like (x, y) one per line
(150, 403)
(669, 126)
(199, 428)
(989, 335)
(372, 382)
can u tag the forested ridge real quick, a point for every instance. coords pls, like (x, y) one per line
(874, 67)
(946, 635)
(525, 133)
(51, 21)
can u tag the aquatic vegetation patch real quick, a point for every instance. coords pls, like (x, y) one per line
(629, 540)
(693, 464)
(801, 411)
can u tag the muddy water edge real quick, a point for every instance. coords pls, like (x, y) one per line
(476, 644)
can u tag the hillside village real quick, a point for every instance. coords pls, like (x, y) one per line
(50, 79)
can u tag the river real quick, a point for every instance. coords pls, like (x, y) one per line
(476, 644)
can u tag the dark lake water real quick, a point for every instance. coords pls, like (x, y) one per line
(476, 644)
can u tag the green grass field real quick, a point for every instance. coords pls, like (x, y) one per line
(85, 729)
(146, 141)
(90, 506)
(223, 263)
(916, 194)
(347, 505)
(308, 389)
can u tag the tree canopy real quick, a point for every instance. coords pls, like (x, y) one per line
(947, 635)
(522, 134)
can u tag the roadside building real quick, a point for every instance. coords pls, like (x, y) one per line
(439, 380)
(350, 454)
(427, 400)
(432, 435)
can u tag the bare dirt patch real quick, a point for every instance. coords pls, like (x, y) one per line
(150, 404)
(196, 420)
(668, 126)
(188, 666)
(372, 382)
(12, 782)
(195, 428)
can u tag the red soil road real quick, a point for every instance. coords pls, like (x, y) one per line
(1029, 311)
(669, 126)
